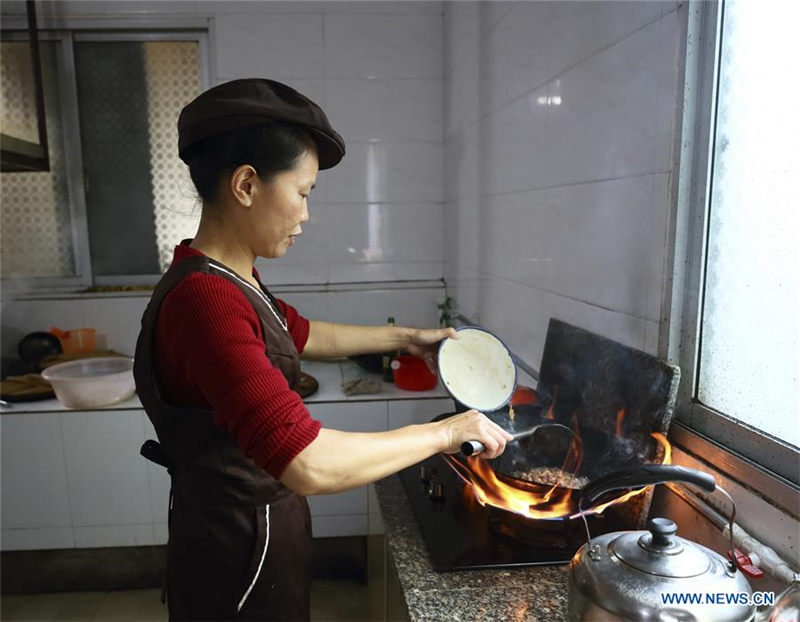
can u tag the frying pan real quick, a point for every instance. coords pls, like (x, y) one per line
(602, 452)
(547, 448)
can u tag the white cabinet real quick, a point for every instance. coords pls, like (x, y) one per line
(401, 413)
(36, 505)
(107, 478)
(345, 513)
(75, 479)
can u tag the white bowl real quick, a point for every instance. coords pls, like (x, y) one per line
(477, 369)
(92, 382)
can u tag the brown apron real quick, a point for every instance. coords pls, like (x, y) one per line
(239, 541)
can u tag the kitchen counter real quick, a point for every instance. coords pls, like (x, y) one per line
(534, 593)
(329, 375)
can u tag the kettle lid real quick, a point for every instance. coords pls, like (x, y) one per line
(660, 552)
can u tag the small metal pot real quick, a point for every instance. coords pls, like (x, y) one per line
(655, 574)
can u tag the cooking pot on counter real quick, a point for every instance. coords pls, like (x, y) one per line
(654, 574)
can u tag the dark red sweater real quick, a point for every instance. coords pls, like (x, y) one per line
(210, 353)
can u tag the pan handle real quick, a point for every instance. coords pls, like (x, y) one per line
(644, 475)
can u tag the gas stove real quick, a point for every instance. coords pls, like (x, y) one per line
(616, 397)
(459, 533)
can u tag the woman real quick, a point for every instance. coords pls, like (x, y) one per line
(217, 359)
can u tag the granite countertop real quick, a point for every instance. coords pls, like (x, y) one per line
(527, 594)
(329, 374)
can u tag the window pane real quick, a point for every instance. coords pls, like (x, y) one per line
(749, 344)
(139, 197)
(35, 225)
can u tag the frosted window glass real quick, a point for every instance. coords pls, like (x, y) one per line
(749, 340)
(35, 221)
(173, 79)
(140, 200)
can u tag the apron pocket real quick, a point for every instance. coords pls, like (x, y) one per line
(259, 553)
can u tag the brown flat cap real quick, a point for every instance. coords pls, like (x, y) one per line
(240, 103)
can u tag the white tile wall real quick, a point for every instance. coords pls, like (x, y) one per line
(561, 156)
(119, 319)
(514, 58)
(528, 333)
(383, 6)
(388, 171)
(374, 67)
(385, 232)
(386, 109)
(513, 145)
(385, 46)
(280, 46)
(410, 307)
(568, 241)
(606, 124)
(579, 30)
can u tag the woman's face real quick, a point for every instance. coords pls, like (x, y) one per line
(281, 206)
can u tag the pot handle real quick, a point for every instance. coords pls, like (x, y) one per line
(644, 475)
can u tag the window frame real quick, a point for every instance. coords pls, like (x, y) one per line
(762, 462)
(73, 157)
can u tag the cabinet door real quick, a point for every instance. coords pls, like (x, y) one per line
(107, 478)
(345, 513)
(35, 504)
(401, 413)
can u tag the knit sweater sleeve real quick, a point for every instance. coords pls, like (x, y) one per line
(211, 353)
(299, 327)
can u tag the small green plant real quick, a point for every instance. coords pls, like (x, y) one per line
(445, 312)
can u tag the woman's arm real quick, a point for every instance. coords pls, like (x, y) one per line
(337, 461)
(328, 340)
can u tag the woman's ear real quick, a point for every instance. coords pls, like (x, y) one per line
(242, 184)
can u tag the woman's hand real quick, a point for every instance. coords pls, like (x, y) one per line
(424, 343)
(474, 426)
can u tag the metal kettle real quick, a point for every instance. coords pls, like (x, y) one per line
(654, 575)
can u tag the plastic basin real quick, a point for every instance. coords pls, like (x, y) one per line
(92, 382)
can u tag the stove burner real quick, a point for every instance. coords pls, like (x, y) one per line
(459, 533)
(556, 534)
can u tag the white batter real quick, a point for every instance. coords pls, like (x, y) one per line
(477, 369)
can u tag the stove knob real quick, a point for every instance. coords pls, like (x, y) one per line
(436, 491)
(424, 473)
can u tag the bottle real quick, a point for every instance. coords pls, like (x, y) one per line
(387, 359)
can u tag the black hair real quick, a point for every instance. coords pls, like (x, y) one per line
(269, 147)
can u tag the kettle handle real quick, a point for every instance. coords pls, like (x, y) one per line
(645, 475)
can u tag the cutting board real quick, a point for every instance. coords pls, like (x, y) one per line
(26, 388)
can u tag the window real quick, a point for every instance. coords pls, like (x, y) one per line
(117, 196)
(740, 323)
